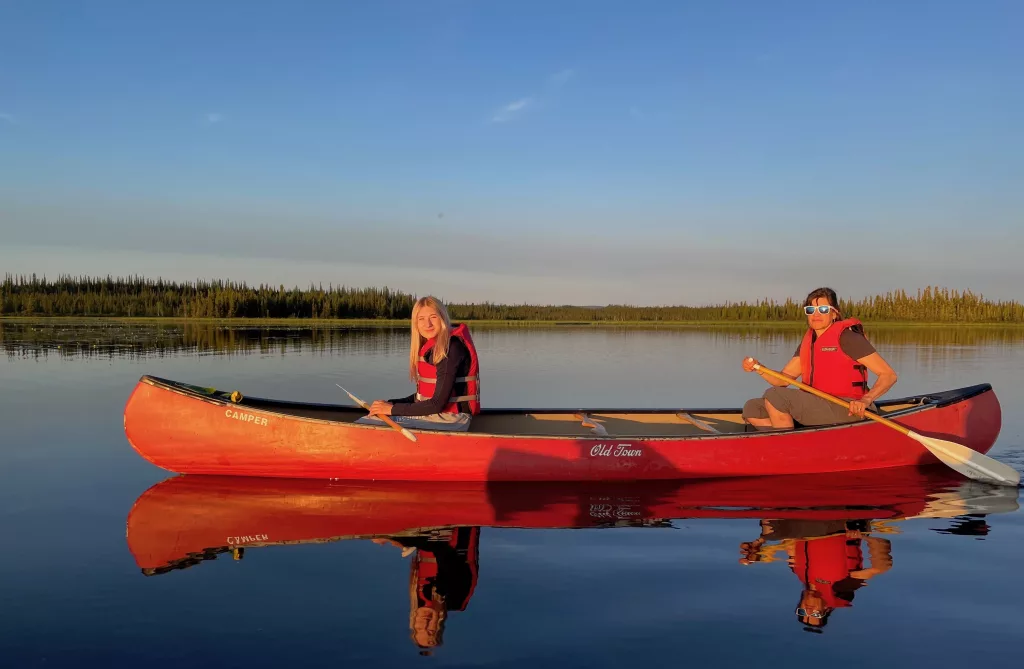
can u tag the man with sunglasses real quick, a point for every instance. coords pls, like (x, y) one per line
(834, 356)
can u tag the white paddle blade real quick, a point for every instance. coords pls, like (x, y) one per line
(408, 435)
(969, 462)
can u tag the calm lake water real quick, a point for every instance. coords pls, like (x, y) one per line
(636, 585)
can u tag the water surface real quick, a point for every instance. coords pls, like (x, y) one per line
(98, 564)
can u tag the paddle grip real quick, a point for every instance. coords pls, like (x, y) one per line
(405, 433)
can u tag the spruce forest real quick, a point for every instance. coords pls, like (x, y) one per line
(141, 297)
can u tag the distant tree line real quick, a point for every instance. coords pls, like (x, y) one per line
(142, 297)
(165, 338)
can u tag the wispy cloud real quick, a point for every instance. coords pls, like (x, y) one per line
(514, 109)
(212, 118)
(511, 110)
(7, 118)
(561, 78)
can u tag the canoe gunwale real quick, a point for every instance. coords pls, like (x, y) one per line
(919, 403)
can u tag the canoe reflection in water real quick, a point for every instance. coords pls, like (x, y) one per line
(832, 529)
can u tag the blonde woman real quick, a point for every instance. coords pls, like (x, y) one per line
(443, 364)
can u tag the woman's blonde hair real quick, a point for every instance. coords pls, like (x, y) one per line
(426, 631)
(440, 350)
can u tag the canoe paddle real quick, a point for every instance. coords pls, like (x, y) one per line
(387, 419)
(965, 460)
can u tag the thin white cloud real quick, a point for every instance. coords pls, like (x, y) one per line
(213, 118)
(561, 78)
(511, 110)
(7, 118)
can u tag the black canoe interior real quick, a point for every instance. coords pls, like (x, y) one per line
(570, 422)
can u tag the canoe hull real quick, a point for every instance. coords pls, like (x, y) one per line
(186, 433)
(184, 518)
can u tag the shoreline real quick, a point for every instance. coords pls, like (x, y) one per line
(390, 323)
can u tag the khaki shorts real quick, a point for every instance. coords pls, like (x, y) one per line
(794, 528)
(451, 422)
(805, 408)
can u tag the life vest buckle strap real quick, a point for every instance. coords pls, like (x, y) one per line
(458, 398)
(461, 379)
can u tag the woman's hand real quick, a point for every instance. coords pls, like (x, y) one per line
(380, 408)
(748, 364)
(406, 550)
(381, 541)
(858, 407)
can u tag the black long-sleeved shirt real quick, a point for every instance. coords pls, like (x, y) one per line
(455, 365)
(454, 579)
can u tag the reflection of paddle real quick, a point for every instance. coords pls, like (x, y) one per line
(406, 433)
(965, 460)
(970, 498)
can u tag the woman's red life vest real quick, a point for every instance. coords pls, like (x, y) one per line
(824, 366)
(466, 389)
(466, 542)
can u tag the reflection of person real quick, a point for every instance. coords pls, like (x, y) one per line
(834, 357)
(442, 578)
(828, 559)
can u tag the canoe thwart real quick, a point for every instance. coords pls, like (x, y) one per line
(594, 426)
(696, 421)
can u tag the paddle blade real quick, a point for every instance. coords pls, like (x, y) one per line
(354, 398)
(969, 462)
(408, 435)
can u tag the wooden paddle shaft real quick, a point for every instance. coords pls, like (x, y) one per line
(386, 419)
(830, 398)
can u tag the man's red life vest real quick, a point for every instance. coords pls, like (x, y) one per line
(467, 388)
(822, 563)
(824, 366)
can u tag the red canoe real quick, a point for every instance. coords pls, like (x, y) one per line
(186, 519)
(191, 430)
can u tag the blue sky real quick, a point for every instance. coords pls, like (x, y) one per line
(585, 151)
